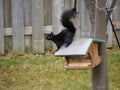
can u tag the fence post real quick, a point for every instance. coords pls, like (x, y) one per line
(7, 13)
(28, 22)
(100, 72)
(57, 9)
(37, 24)
(1, 28)
(27, 13)
(84, 20)
(18, 26)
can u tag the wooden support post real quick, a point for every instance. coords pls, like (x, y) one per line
(90, 5)
(1, 28)
(28, 22)
(37, 24)
(47, 12)
(18, 26)
(100, 73)
(85, 21)
(27, 13)
(57, 8)
(7, 14)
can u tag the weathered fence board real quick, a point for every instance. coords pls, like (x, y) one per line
(37, 25)
(57, 9)
(47, 21)
(47, 12)
(27, 13)
(67, 4)
(18, 26)
(27, 30)
(1, 28)
(28, 23)
(85, 22)
(116, 11)
(7, 13)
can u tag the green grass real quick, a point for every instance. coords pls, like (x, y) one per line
(39, 72)
(114, 70)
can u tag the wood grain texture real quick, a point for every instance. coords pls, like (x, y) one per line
(1, 28)
(18, 26)
(37, 25)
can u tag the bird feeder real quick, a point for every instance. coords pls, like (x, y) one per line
(81, 54)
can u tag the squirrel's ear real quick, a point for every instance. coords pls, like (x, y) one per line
(52, 33)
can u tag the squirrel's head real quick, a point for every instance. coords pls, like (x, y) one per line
(50, 36)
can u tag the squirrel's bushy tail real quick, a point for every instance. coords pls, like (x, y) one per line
(66, 19)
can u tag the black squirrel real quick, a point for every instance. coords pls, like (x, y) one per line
(66, 35)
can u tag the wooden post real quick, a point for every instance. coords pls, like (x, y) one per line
(18, 26)
(90, 4)
(37, 24)
(85, 21)
(7, 14)
(28, 22)
(47, 12)
(112, 6)
(67, 4)
(57, 9)
(116, 11)
(1, 28)
(27, 13)
(77, 18)
(100, 73)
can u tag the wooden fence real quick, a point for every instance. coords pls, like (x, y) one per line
(24, 23)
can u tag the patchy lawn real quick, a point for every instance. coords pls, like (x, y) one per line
(40, 72)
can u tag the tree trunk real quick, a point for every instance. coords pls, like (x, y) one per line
(100, 73)
(98, 31)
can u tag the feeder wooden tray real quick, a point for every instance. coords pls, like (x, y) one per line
(81, 54)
